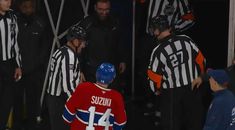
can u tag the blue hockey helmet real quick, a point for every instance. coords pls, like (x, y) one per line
(105, 73)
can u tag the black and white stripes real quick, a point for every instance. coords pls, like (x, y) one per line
(64, 72)
(179, 13)
(8, 37)
(176, 62)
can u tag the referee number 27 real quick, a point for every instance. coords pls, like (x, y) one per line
(103, 121)
(177, 58)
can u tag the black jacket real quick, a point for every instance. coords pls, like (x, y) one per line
(32, 43)
(103, 41)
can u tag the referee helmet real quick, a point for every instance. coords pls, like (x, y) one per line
(159, 22)
(105, 73)
(76, 32)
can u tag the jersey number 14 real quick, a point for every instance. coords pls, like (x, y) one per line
(103, 121)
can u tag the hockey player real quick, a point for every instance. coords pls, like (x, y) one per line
(95, 107)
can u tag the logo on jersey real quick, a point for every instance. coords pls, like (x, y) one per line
(232, 117)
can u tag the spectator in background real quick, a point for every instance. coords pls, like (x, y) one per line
(230, 70)
(10, 60)
(174, 63)
(34, 50)
(221, 113)
(93, 106)
(64, 75)
(103, 32)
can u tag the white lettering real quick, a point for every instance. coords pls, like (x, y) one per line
(101, 101)
(93, 100)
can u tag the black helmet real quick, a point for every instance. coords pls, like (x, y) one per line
(159, 22)
(76, 32)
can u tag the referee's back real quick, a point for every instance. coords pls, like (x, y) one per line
(178, 60)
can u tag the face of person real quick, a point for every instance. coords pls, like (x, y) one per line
(102, 9)
(79, 44)
(27, 8)
(213, 84)
(4, 6)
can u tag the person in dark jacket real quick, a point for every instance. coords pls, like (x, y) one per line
(221, 113)
(34, 51)
(104, 33)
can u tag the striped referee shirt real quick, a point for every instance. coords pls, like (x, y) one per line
(64, 72)
(8, 37)
(175, 62)
(179, 13)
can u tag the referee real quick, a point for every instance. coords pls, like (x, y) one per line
(10, 60)
(174, 63)
(179, 13)
(64, 76)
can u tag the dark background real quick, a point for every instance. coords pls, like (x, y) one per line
(210, 33)
(211, 30)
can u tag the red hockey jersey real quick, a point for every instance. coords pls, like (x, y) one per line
(92, 107)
